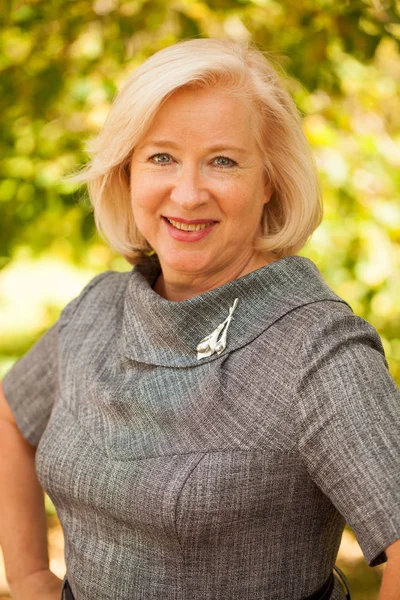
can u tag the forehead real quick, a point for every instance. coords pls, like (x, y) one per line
(197, 113)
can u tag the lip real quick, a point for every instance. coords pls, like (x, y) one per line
(195, 222)
(189, 236)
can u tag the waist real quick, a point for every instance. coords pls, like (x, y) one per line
(325, 591)
(66, 592)
(322, 593)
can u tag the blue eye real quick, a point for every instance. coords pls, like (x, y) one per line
(225, 162)
(161, 159)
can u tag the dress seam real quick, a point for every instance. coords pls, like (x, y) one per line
(183, 577)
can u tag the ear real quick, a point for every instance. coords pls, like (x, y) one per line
(268, 191)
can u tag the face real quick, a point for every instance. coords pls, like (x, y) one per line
(198, 186)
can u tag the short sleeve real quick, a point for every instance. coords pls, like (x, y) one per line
(349, 427)
(31, 386)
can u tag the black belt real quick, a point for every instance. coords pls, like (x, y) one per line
(66, 592)
(326, 589)
(322, 593)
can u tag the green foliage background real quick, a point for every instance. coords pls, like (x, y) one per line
(61, 62)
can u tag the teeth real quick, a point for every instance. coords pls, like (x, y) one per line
(189, 227)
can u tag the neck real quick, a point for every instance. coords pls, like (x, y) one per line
(178, 286)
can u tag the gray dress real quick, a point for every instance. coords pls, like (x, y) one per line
(226, 478)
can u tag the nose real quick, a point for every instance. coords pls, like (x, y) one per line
(189, 189)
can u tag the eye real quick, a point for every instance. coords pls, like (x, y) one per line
(161, 158)
(224, 162)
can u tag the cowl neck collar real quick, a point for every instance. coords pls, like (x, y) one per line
(159, 332)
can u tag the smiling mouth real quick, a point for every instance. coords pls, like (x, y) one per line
(189, 226)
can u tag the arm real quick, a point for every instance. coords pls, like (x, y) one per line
(390, 589)
(349, 428)
(23, 524)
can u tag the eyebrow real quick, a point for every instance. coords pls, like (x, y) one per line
(170, 144)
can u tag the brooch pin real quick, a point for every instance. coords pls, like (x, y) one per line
(213, 343)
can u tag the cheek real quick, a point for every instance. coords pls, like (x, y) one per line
(243, 201)
(145, 195)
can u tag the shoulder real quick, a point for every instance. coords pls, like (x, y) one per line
(332, 327)
(340, 363)
(103, 292)
(315, 314)
(322, 336)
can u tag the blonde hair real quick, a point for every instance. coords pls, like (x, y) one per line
(295, 208)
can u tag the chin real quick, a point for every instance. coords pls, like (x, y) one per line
(186, 262)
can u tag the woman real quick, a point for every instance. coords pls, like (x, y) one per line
(208, 422)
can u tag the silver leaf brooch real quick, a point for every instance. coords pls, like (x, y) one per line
(216, 341)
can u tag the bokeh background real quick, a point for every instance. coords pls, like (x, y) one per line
(61, 62)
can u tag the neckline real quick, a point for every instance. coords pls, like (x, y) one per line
(166, 333)
(153, 270)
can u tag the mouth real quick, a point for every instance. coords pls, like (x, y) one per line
(190, 226)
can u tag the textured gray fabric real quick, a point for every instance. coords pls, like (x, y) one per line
(225, 479)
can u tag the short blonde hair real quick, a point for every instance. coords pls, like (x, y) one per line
(295, 208)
